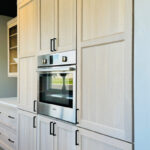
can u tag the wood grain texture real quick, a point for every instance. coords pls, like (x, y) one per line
(104, 74)
(92, 141)
(66, 25)
(27, 83)
(27, 29)
(26, 132)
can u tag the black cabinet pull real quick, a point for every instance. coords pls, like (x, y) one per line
(11, 117)
(51, 128)
(77, 116)
(34, 106)
(11, 141)
(34, 118)
(76, 137)
(54, 129)
(54, 44)
(51, 45)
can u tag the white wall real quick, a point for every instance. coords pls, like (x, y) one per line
(8, 86)
(142, 75)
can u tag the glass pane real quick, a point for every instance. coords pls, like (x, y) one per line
(57, 88)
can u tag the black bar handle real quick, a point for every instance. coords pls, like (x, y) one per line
(54, 44)
(51, 45)
(54, 129)
(76, 137)
(34, 106)
(11, 141)
(11, 117)
(34, 118)
(77, 116)
(51, 128)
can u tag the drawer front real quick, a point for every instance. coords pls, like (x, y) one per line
(7, 139)
(9, 118)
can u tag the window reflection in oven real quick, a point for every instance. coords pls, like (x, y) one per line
(57, 88)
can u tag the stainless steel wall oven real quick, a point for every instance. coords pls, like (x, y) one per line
(57, 86)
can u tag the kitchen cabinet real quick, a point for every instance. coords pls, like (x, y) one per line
(27, 27)
(26, 131)
(88, 140)
(44, 139)
(104, 57)
(12, 47)
(57, 25)
(27, 84)
(55, 135)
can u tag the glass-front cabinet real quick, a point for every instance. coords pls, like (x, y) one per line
(12, 47)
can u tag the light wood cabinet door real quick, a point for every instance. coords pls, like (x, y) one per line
(27, 28)
(26, 131)
(66, 25)
(45, 140)
(57, 19)
(65, 136)
(88, 140)
(104, 58)
(27, 83)
(47, 25)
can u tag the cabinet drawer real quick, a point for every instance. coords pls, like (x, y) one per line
(7, 139)
(9, 118)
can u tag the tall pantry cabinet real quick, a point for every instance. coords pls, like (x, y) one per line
(27, 39)
(104, 56)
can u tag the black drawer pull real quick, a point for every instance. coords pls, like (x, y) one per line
(76, 137)
(34, 120)
(51, 133)
(11, 141)
(34, 106)
(54, 44)
(54, 129)
(11, 117)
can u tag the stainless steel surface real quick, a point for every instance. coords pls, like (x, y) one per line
(64, 58)
(61, 59)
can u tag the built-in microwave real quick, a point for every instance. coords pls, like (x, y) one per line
(57, 86)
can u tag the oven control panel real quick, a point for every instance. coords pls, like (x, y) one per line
(64, 58)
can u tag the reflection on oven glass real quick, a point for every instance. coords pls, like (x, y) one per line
(57, 88)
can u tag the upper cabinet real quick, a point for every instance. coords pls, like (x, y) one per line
(27, 27)
(57, 25)
(12, 47)
(104, 57)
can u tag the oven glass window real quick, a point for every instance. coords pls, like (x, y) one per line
(57, 88)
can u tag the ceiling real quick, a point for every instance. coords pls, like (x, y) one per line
(8, 8)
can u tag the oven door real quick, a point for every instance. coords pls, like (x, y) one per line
(57, 92)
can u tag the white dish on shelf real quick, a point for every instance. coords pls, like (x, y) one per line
(16, 60)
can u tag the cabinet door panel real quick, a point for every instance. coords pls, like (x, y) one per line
(106, 90)
(45, 140)
(66, 25)
(104, 58)
(47, 23)
(93, 141)
(65, 136)
(99, 14)
(27, 83)
(26, 132)
(27, 29)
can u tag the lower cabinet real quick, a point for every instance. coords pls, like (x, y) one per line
(26, 131)
(88, 140)
(55, 135)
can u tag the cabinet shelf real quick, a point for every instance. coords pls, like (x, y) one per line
(15, 34)
(14, 47)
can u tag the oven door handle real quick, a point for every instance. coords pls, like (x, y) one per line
(51, 69)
